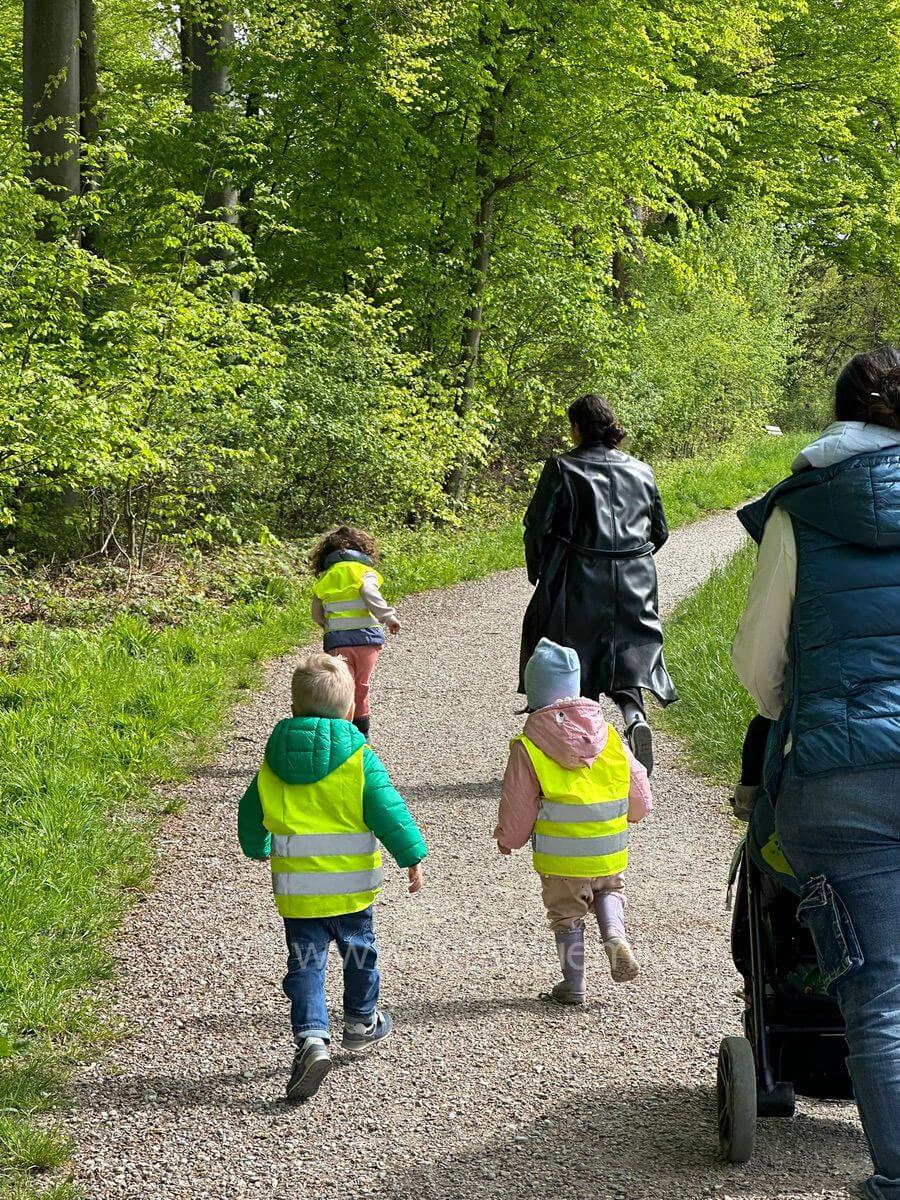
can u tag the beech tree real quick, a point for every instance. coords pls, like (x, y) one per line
(51, 98)
(210, 44)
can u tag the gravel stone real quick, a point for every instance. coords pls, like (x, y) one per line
(484, 1091)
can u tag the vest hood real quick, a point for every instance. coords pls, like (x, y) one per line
(571, 732)
(856, 501)
(306, 749)
(845, 439)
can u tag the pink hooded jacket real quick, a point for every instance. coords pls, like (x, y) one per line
(572, 733)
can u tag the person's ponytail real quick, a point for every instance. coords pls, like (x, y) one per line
(886, 399)
(596, 421)
(868, 388)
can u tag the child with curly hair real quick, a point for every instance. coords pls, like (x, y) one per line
(348, 604)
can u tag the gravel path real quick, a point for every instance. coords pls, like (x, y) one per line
(484, 1091)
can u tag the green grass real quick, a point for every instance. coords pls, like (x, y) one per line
(738, 471)
(92, 717)
(712, 715)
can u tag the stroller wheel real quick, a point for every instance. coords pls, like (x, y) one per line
(736, 1092)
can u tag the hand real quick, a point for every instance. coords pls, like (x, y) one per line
(393, 625)
(416, 878)
(503, 849)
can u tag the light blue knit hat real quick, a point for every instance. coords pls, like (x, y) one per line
(552, 673)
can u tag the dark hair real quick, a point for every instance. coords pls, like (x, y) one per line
(595, 420)
(344, 537)
(868, 388)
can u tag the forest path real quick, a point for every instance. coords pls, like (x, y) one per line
(484, 1091)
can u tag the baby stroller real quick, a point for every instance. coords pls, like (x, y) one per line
(793, 1041)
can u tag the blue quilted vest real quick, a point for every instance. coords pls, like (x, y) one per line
(842, 687)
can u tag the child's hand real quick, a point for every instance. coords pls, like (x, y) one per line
(503, 849)
(416, 878)
(393, 625)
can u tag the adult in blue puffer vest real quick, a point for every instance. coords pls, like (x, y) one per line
(818, 648)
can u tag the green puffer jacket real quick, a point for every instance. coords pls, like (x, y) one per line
(305, 750)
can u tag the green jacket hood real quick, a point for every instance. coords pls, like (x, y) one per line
(306, 749)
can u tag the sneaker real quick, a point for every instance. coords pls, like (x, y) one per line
(359, 1036)
(312, 1062)
(640, 739)
(623, 965)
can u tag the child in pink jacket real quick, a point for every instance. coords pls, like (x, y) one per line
(571, 786)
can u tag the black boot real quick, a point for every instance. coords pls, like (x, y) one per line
(640, 739)
(362, 724)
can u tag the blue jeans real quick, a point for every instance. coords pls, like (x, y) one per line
(841, 835)
(308, 940)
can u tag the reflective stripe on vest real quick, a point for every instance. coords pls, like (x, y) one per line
(312, 845)
(606, 810)
(582, 825)
(325, 883)
(579, 847)
(325, 860)
(339, 589)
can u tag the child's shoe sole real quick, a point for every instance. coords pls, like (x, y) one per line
(310, 1068)
(623, 966)
(382, 1030)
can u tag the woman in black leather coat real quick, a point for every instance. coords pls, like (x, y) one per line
(591, 530)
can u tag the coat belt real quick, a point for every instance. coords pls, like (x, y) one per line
(637, 552)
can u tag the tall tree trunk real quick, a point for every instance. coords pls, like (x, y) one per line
(89, 102)
(473, 320)
(50, 95)
(249, 217)
(481, 260)
(211, 41)
(624, 259)
(489, 184)
(186, 46)
(88, 86)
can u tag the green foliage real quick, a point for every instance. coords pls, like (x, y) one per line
(716, 325)
(845, 314)
(615, 196)
(363, 427)
(716, 480)
(714, 710)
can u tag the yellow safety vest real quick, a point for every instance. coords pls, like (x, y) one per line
(325, 860)
(582, 825)
(339, 590)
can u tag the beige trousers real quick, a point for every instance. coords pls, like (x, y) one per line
(569, 900)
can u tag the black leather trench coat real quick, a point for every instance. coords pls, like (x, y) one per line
(591, 530)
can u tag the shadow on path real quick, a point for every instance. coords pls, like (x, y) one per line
(631, 1142)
